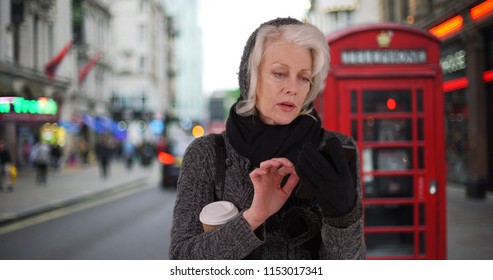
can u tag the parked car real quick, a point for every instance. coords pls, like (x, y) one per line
(171, 163)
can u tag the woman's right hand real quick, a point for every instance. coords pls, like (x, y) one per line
(268, 195)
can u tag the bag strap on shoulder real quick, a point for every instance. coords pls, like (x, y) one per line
(220, 149)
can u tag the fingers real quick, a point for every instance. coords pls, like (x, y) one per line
(276, 168)
(276, 163)
(281, 166)
(291, 183)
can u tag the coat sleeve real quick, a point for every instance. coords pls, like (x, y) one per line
(195, 189)
(343, 237)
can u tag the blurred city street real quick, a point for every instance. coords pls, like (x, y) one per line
(68, 187)
(78, 215)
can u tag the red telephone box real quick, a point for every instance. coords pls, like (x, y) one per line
(385, 89)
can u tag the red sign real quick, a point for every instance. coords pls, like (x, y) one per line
(14, 117)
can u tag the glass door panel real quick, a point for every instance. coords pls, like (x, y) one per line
(387, 130)
(387, 101)
(389, 215)
(390, 244)
(388, 186)
(387, 159)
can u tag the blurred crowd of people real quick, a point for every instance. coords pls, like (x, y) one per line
(44, 158)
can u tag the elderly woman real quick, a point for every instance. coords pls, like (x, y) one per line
(298, 196)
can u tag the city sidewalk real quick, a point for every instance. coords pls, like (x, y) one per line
(469, 225)
(69, 186)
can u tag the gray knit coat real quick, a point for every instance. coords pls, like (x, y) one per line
(342, 237)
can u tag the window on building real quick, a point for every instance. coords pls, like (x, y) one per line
(390, 10)
(77, 22)
(116, 101)
(16, 17)
(125, 102)
(35, 41)
(143, 6)
(142, 63)
(141, 33)
(144, 100)
(51, 40)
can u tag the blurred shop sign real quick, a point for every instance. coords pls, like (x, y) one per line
(19, 109)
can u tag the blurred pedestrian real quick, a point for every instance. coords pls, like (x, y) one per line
(41, 158)
(147, 153)
(104, 153)
(56, 156)
(84, 152)
(128, 154)
(25, 151)
(5, 164)
(297, 195)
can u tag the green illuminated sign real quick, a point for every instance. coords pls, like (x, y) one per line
(44, 106)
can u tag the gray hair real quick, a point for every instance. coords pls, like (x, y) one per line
(304, 35)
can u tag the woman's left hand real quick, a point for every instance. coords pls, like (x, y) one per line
(269, 196)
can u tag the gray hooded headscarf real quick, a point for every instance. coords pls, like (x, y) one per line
(243, 77)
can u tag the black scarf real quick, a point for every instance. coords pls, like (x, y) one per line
(259, 142)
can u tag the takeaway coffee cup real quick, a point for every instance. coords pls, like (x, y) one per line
(217, 213)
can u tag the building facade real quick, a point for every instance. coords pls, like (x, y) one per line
(334, 15)
(190, 102)
(141, 88)
(89, 96)
(31, 33)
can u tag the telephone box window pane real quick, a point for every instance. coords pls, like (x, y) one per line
(387, 101)
(389, 244)
(387, 159)
(419, 100)
(388, 186)
(421, 129)
(354, 130)
(422, 243)
(421, 158)
(387, 130)
(389, 215)
(422, 214)
(354, 102)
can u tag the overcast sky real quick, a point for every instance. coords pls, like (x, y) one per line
(226, 26)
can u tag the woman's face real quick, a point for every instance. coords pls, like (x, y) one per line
(283, 83)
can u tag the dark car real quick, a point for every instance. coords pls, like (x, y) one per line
(171, 163)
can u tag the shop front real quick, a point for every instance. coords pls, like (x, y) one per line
(28, 101)
(466, 35)
(23, 120)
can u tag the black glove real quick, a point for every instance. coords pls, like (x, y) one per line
(329, 175)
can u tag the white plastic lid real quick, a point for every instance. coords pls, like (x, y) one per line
(218, 213)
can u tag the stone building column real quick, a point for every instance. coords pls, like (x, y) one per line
(477, 180)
